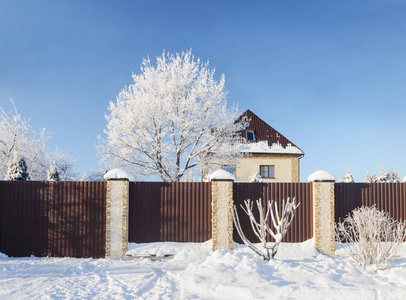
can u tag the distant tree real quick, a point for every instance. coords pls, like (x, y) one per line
(53, 174)
(369, 178)
(348, 178)
(393, 176)
(17, 169)
(16, 135)
(383, 176)
(171, 119)
(92, 176)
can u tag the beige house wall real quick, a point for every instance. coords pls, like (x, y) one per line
(286, 167)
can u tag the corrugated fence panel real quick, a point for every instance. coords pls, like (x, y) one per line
(302, 225)
(169, 212)
(144, 212)
(53, 218)
(389, 197)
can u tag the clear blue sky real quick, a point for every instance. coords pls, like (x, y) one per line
(329, 75)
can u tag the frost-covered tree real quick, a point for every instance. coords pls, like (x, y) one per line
(53, 174)
(383, 176)
(17, 169)
(348, 178)
(171, 119)
(393, 176)
(97, 175)
(16, 135)
(369, 178)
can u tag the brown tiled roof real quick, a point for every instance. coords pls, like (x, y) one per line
(263, 131)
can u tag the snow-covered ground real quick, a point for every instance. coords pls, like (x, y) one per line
(196, 272)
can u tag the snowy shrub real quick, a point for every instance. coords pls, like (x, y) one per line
(17, 169)
(255, 177)
(262, 229)
(348, 178)
(370, 236)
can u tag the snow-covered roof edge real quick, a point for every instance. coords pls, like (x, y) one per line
(263, 147)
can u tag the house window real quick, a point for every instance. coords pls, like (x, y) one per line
(229, 168)
(250, 136)
(267, 171)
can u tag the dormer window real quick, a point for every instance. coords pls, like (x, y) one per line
(250, 136)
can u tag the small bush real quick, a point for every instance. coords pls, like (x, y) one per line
(370, 236)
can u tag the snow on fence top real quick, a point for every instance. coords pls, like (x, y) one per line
(118, 174)
(222, 175)
(321, 176)
(404, 179)
(263, 147)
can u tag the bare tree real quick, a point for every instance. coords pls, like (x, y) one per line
(261, 228)
(370, 236)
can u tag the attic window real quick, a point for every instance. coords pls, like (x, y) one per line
(250, 136)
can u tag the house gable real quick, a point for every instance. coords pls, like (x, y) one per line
(264, 132)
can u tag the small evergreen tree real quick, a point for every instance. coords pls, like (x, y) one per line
(383, 176)
(368, 178)
(53, 174)
(17, 169)
(393, 176)
(348, 178)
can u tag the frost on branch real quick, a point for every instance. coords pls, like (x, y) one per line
(173, 118)
(261, 228)
(370, 236)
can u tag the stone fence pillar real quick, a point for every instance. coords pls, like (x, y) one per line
(222, 209)
(117, 217)
(323, 211)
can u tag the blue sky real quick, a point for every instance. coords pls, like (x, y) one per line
(329, 75)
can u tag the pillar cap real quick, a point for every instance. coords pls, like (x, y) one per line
(118, 174)
(222, 175)
(321, 176)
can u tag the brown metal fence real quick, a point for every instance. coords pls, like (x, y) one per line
(169, 212)
(53, 218)
(389, 197)
(302, 226)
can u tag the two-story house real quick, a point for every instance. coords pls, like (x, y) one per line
(267, 153)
